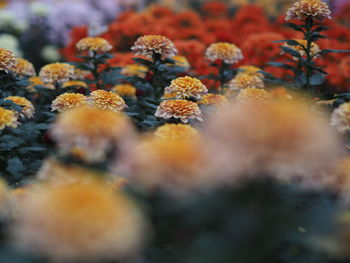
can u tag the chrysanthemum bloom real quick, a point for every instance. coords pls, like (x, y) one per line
(187, 87)
(106, 100)
(244, 81)
(125, 90)
(96, 44)
(8, 60)
(315, 49)
(341, 118)
(253, 96)
(79, 222)
(28, 109)
(179, 109)
(56, 73)
(305, 8)
(154, 44)
(172, 131)
(68, 101)
(24, 68)
(95, 131)
(251, 70)
(215, 100)
(55, 173)
(174, 165)
(282, 138)
(227, 52)
(134, 70)
(8, 118)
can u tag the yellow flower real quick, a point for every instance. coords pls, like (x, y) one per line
(37, 81)
(106, 100)
(243, 81)
(125, 90)
(179, 109)
(24, 68)
(187, 87)
(214, 100)
(172, 131)
(251, 70)
(72, 83)
(79, 222)
(8, 60)
(253, 96)
(304, 8)
(341, 118)
(154, 44)
(27, 107)
(96, 44)
(315, 49)
(68, 101)
(227, 52)
(281, 138)
(8, 118)
(181, 61)
(175, 165)
(94, 131)
(56, 73)
(134, 70)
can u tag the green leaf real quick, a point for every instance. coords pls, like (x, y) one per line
(317, 79)
(15, 166)
(291, 51)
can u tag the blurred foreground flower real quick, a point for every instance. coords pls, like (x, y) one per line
(282, 139)
(171, 131)
(187, 87)
(174, 165)
(215, 100)
(97, 132)
(68, 101)
(79, 222)
(341, 118)
(253, 96)
(150, 45)
(244, 81)
(179, 109)
(27, 107)
(8, 60)
(227, 52)
(305, 8)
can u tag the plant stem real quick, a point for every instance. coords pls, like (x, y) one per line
(308, 68)
(94, 70)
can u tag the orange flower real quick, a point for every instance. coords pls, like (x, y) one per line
(172, 131)
(56, 73)
(8, 118)
(214, 100)
(179, 109)
(243, 81)
(125, 90)
(134, 70)
(253, 96)
(27, 107)
(68, 101)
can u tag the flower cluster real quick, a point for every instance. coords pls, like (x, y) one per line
(187, 87)
(227, 52)
(68, 101)
(96, 44)
(154, 44)
(56, 73)
(102, 99)
(304, 8)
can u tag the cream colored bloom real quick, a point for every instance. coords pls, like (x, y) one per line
(68, 101)
(172, 131)
(179, 109)
(154, 44)
(57, 73)
(244, 81)
(96, 44)
(341, 118)
(304, 8)
(24, 68)
(253, 96)
(227, 52)
(8, 60)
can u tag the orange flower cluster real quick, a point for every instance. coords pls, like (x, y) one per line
(193, 33)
